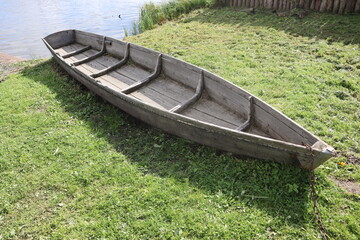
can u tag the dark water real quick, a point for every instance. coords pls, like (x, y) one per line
(24, 22)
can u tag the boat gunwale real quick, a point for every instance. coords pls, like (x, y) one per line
(243, 136)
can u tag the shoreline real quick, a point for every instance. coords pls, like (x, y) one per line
(6, 58)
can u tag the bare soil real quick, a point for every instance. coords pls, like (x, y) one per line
(347, 185)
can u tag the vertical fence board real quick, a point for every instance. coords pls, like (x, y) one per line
(317, 5)
(275, 5)
(342, 6)
(350, 6)
(305, 6)
(301, 3)
(357, 6)
(330, 5)
(312, 5)
(308, 4)
(336, 6)
(323, 5)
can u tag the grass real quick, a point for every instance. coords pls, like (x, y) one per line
(75, 167)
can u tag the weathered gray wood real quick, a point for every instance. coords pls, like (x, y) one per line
(301, 4)
(110, 81)
(70, 54)
(342, 6)
(276, 4)
(208, 106)
(323, 5)
(89, 39)
(224, 94)
(143, 82)
(283, 139)
(180, 71)
(97, 64)
(336, 6)
(329, 7)
(246, 125)
(199, 90)
(312, 4)
(115, 66)
(350, 6)
(61, 38)
(279, 126)
(166, 92)
(207, 118)
(87, 59)
(357, 6)
(143, 56)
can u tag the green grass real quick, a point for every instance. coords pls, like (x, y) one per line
(72, 166)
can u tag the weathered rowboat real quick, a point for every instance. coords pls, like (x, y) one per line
(184, 100)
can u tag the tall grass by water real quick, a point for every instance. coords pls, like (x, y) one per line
(152, 14)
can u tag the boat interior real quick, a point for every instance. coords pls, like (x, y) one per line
(164, 82)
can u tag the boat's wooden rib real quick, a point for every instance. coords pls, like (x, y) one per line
(199, 90)
(78, 51)
(116, 65)
(143, 82)
(208, 110)
(96, 55)
(246, 125)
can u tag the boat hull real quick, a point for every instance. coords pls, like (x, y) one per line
(239, 143)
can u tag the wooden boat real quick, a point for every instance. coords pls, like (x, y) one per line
(184, 100)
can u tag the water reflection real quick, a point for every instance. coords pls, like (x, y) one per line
(23, 23)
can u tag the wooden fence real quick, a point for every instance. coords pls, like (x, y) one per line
(332, 6)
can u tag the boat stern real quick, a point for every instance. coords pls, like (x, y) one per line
(60, 39)
(318, 154)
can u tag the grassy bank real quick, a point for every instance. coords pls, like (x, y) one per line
(73, 166)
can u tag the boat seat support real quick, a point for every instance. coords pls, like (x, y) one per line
(199, 90)
(246, 125)
(115, 66)
(87, 59)
(73, 53)
(141, 83)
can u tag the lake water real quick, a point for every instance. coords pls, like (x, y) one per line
(24, 22)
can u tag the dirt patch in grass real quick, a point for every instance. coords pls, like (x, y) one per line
(7, 65)
(353, 160)
(347, 185)
(5, 58)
